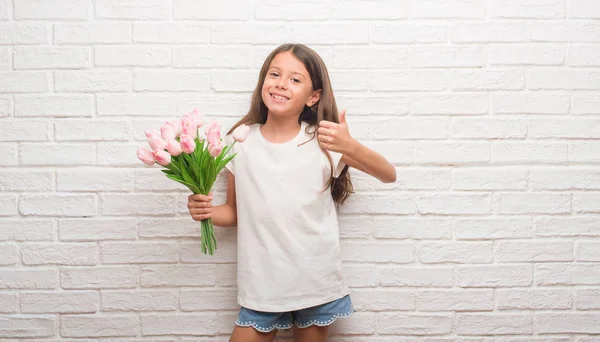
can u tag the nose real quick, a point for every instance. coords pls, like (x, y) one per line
(281, 83)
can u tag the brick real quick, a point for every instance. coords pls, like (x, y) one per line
(413, 324)
(119, 154)
(571, 31)
(133, 10)
(455, 300)
(64, 154)
(226, 251)
(586, 299)
(99, 325)
(241, 33)
(586, 202)
(26, 230)
(581, 128)
(494, 275)
(26, 326)
(72, 129)
(34, 278)
(530, 54)
(97, 229)
(456, 252)
(565, 179)
(490, 32)
(534, 203)
(367, 57)
(578, 226)
(532, 251)
(408, 81)
(178, 275)
(410, 179)
(449, 104)
(567, 274)
(8, 154)
(585, 104)
(57, 9)
(23, 82)
(212, 56)
(563, 79)
(533, 299)
(58, 205)
(358, 323)
(382, 300)
(227, 275)
(493, 323)
(529, 152)
(583, 55)
(328, 32)
(233, 80)
(54, 105)
(584, 9)
(529, 103)
(6, 60)
(202, 300)
(396, 252)
(224, 10)
(447, 57)
(170, 33)
(439, 276)
(17, 33)
(8, 302)
(180, 324)
(92, 33)
(141, 204)
(26, 180)
(75, 81)
(383, 204)
(59, 302)
(139, 252)
(489, 179)
(148, 179)
(477, 80)
(362, 275)
(463, 9)
(386, 9)
(59, 254)
(8, 205)
(99, 277)
(412, 228)
(8, 254)
(587, 251)
(350, 80)
(171, 81)
(407, 33)
(43, 57)
(86, 179)
(578, 323)
(4, 13)
(139, 300)
(453, 153)
(132, 56)
(293, 11)
(534, 9)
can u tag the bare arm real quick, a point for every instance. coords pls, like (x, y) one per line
(366, 160)
(224, 215)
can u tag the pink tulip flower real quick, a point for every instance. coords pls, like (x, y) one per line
(162, 157)
(157, 143)
(215, 149)
(146, 156)
(175, 125)
(152, 134)
(213, 133)
(188, 127)
(240, 133)
(187, 143)
(197, 117)
(167, 132)
(174, 147)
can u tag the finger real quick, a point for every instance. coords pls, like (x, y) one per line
(200, 198)
(325, 138)
(199, 205)
(343, 116)
(327, 124)
(201, 211)
(326, 131)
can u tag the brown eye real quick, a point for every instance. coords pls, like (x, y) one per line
(295, 80)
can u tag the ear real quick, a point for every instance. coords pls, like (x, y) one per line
(314, 98)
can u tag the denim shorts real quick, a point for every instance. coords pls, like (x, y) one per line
(320, 315)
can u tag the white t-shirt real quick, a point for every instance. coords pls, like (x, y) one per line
(288, 237)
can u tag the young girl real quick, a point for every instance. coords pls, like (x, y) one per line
(281, 194)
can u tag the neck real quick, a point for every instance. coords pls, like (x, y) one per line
(280, 129)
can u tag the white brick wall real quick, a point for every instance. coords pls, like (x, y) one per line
(490, 111)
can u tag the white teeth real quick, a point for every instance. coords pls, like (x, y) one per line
(278, 97)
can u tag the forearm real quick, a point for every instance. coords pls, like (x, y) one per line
(224, 216)
(371, 162)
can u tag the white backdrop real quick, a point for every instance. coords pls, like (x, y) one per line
(490, 111)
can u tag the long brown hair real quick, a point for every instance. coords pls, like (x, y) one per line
(324, 109)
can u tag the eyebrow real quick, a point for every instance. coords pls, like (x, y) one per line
(293, 72)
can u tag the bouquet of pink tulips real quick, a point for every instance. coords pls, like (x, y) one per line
(191, 159)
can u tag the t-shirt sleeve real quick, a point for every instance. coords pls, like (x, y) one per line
(228, 140)
(338, 164)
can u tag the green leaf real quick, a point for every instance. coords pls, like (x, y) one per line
(190, 186)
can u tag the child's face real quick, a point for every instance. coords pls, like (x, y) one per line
(287, 86)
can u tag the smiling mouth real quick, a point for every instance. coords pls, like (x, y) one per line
(278, 97)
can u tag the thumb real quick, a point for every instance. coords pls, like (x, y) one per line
(343, 116)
